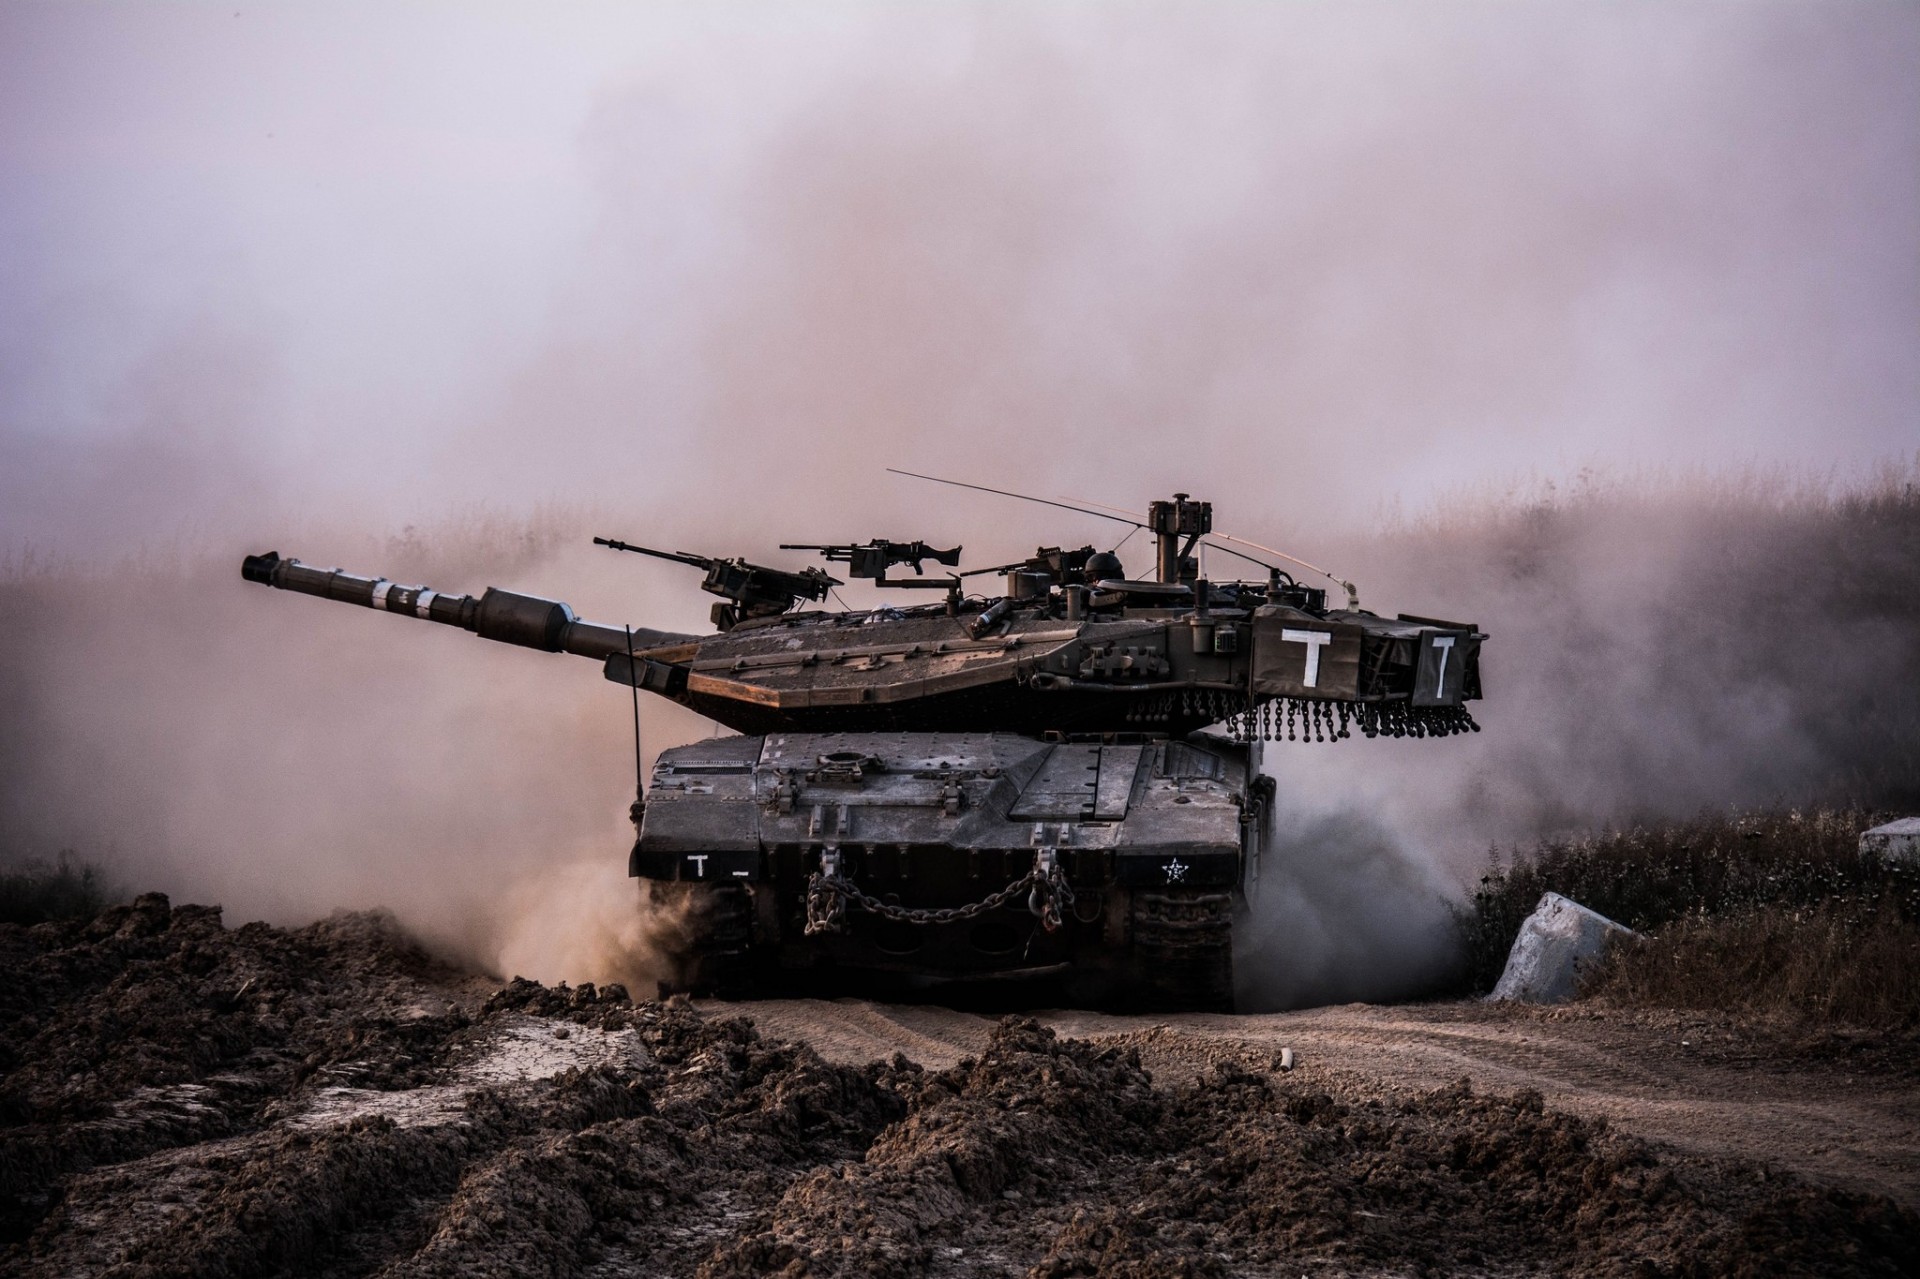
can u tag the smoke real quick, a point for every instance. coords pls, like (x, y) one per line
(1299, 258)
(1345, 908)
(166, 719)
(1659, 647)
(694, 276)
(586, 921)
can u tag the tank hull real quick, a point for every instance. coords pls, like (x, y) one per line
(1113, 862)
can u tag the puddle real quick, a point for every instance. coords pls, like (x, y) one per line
(522, 1050)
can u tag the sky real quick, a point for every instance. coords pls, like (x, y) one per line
(712, 264)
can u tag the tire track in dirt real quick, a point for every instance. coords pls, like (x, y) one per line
(855, 1031)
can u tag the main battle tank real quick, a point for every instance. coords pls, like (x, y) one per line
(1064, 778)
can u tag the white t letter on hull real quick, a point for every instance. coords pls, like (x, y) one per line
(1315, 641)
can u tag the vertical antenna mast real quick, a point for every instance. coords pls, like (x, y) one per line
(639, 773)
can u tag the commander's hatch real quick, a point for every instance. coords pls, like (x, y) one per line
(1081, 782)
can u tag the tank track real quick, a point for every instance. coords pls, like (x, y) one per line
(708, 931)
(1180, 960)
(1183, 950)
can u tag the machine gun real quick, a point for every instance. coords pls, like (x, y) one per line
(756, 590)
(871, 560)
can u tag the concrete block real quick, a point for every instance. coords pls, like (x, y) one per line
(1896, 841)
(1556, 946)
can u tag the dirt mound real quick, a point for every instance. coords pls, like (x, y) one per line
(152, 1026)
(185, 1100)
(1057, 1158)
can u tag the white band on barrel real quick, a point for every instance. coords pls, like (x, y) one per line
(380, 588)
(421, 605)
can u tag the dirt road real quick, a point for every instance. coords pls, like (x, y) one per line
(1842, 1111)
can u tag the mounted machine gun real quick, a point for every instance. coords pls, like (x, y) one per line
(756, 590)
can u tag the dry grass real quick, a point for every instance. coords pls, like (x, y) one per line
(1854, 961)
(1776, 913)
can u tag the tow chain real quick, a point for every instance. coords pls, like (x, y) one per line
(829, 892)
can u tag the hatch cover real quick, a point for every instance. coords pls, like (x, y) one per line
(1080, 782)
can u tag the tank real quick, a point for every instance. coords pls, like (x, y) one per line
(1061, 779)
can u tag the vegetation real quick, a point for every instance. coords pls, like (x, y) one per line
(1777, 913)
(1841, 962)
(36, 891)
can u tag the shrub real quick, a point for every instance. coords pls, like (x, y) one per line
(1854, 960)
(36, 891)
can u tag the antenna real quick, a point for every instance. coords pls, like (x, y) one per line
(1084, 510)
(639, 773)
(1353, 594)
(1024, 497)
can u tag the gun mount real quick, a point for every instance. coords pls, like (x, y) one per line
(1065, 777)
(756, 590)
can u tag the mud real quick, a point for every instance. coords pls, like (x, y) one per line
(181, 1099)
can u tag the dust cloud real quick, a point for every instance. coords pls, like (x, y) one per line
(587, 921)
(287, 762)
(1659, 646)
(694, 277)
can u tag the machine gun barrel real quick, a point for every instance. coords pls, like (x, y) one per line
(679, 557)
(506, 616)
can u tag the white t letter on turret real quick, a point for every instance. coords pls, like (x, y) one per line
(1315, 641)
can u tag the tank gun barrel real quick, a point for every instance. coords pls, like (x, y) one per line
(507, 616)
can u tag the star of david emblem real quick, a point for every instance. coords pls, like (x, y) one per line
(1176, 871)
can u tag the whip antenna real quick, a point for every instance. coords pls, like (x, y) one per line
(1024, 497)
(639, 773)
(1107, 514)
(1353, 593)
(1088, 509)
